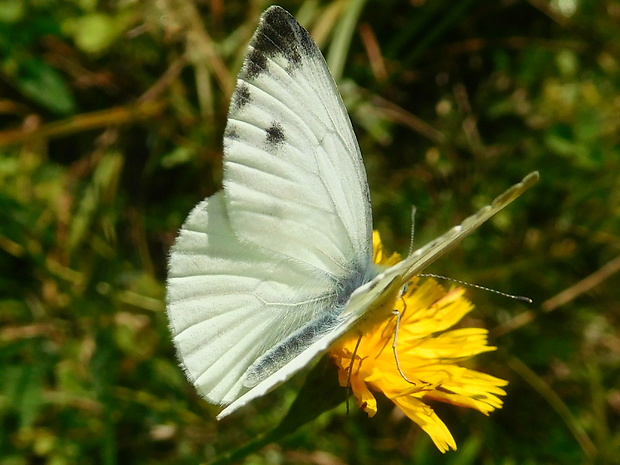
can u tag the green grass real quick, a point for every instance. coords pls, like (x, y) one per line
(112, 120)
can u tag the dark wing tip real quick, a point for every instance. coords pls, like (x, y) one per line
(278, 35)
(276, 12)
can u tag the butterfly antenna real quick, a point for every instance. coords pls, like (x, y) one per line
(520, 298)
(394, 343)
(413, 211)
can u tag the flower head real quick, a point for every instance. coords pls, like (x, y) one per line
(427, 352)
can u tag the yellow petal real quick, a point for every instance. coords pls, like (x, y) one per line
(428, 420)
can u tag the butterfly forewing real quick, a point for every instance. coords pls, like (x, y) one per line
(366, 298)
(421, 258)
(294, 178)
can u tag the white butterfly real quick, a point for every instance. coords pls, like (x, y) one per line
(267, 273)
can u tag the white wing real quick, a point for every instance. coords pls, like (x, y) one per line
(261, 272)
(379, 289)
(294, 178)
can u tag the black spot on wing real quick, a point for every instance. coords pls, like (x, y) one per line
(231, 135)
(241, 97)
(231, 132)
(255, 64)
(275, 134)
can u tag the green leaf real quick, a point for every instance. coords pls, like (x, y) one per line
(43, 84)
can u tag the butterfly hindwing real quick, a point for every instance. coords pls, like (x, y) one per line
(218, 302)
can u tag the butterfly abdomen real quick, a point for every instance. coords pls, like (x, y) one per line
(281, 354)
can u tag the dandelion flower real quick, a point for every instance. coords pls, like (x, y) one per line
(428, 353)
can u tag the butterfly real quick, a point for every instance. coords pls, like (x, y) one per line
(268, 272)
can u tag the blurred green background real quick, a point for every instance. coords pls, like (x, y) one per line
(112, 115)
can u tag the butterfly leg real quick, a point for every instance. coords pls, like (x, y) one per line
(394, 343)
(357, 344)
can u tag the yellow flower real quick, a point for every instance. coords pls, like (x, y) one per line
(427, 352)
